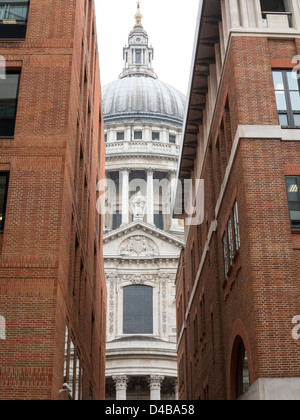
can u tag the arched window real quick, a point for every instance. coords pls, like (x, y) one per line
(242, 371)
(2, 328)
(138, 310)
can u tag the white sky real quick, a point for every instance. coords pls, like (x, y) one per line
(170, 25)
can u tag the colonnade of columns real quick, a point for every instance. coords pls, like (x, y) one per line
(125, 176)
(155, 385)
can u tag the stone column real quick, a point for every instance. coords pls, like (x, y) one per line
(173, 178)
(176, 389)
(155, 383)
(234, 13)
(121, 383)
(150, 196)
(125, 196)
(244, 13)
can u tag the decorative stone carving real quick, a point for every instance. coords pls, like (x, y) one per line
(139, 246)
(155, 382)
(138, 278)
(111, 279)
(121, 382)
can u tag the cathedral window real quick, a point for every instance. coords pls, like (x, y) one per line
(138, 310)
(155, 136)
(138, 57)
(138, 135)
(120, 136)
(172, 139)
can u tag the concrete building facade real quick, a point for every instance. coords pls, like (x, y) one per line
(237, 285)
(53, 292)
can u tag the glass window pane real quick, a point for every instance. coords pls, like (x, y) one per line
(13, 9)
(295, 101)
(8, 95)
(138, 57)
(281, 101)
(155, 136)
(72, 365)
(278, 80)
(295, 216)
(297, 120)
(138, 310)
(283, 120)
(120, 136)
(138, 135)
(172, 139)
(292, 80)
(292, 189)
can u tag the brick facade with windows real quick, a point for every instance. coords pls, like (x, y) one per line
(52, 286)
(238, 277)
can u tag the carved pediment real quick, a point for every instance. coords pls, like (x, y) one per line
(138, 246)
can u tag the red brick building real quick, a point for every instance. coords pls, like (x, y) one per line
(52, 286)
(238, 282)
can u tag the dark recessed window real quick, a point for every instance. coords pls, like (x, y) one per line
(138, 135)
(155, 136)
(138, 310)
(287, 94)
(272, 6)
(9, 89)
(225, 255)
(138, 57)
(117, 220)
(230, 242)
(293, 192)
(13, 19)
(4, 177)
(159, 220)
(121, 136)
(172, 139)
(235, 214)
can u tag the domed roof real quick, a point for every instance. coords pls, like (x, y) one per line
(142, 98)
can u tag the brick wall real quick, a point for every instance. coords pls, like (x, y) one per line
(257, 300)
(55, 160)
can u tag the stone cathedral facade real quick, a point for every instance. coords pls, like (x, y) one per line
(142, 121)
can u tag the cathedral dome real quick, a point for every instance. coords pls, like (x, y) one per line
(142, 98)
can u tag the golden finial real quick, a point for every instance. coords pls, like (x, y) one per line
(138, 17)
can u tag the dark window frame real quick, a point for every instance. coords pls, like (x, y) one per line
(10, 133)
(225, 254)
(172, 139)
(3, 210)
(279, 9)
(289, 113)
(16, 31)
(138, 135)
(293, 205)
(120, 136)
(155, 136)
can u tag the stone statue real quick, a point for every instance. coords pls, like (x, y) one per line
(138, 206)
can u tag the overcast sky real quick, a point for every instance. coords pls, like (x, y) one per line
(170, 25)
